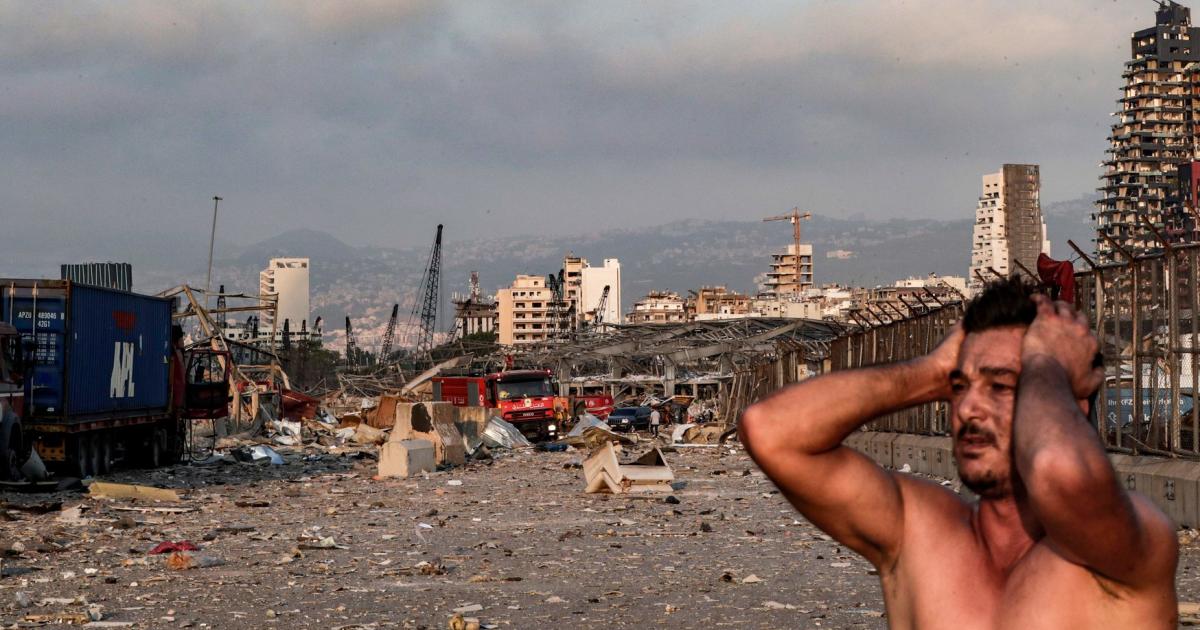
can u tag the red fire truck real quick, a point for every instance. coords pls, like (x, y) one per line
(527, 398)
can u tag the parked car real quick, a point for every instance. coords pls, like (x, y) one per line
(629, 419)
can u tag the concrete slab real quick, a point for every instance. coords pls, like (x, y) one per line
(404, 458)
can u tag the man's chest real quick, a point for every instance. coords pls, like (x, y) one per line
(955, 584)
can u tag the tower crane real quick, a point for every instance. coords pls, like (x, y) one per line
(795, 216)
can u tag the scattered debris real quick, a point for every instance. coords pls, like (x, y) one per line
(501, 434)
(263, 452)
(169, 547)
(106, 490)
(648, 473)
(183, 560)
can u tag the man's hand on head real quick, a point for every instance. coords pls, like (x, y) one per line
(944, 358)
(1062, 334)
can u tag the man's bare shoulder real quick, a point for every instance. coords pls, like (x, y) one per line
(926, 495)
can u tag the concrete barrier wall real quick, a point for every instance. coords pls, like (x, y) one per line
(1172, 484)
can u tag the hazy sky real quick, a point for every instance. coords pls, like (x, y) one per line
(375, 120)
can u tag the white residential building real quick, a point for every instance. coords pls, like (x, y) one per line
(285, 279)
(594, 281)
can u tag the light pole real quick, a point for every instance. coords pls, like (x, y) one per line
(211, 239)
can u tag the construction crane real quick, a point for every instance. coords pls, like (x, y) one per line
(351, 346)
(424, 313)
(389, 336)
(598, 319)
(557, 289)
(795, 217)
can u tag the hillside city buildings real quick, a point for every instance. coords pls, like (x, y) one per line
(1155, 135)
(1009, 227)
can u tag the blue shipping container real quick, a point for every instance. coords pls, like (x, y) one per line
(99, 352)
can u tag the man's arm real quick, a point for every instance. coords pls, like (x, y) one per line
(1071, 486)
(795, 436)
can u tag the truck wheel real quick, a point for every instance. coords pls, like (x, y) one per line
(79, 455)
(175, 444)
(154, 449)
(12, 446)
(102, 449)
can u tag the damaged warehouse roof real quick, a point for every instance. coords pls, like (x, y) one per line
(701, 345)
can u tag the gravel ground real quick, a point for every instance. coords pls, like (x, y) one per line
(516, 537)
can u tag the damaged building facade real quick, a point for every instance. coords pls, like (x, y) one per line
(1009, 228)
(1153, 137)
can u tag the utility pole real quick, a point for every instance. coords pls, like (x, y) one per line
(211, 239)
(795, 217)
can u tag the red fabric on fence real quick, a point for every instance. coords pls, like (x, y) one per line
(1058, 274)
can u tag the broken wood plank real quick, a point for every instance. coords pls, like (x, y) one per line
(104, 489)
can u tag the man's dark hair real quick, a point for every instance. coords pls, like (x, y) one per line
(1001, 303)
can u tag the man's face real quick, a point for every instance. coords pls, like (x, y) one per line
(981, 409)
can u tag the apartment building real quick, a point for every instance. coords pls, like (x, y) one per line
(784, 278)
(658, 307)
(285, 280)
(717, 303)
(1008, 224)
(593, 282)
(528, 312)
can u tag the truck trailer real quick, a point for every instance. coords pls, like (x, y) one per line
(91, 376)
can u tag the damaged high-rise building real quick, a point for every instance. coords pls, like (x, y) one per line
(1008, 223)
(1154, 135)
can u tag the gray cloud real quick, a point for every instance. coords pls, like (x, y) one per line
(375, 120)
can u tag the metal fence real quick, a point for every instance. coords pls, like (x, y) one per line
(899, 341)
(1143, 310)
(882, 342)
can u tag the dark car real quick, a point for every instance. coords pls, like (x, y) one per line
(629, 419)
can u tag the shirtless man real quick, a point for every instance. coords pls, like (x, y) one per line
(1055, 541)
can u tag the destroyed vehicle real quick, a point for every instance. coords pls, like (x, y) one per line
(91, 376)
(528, 399)
(630, 419)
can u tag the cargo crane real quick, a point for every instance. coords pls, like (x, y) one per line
(598, 319)
(424, 313)
(389, 336)
(351, 346)
(557, 289)
(795, 217)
